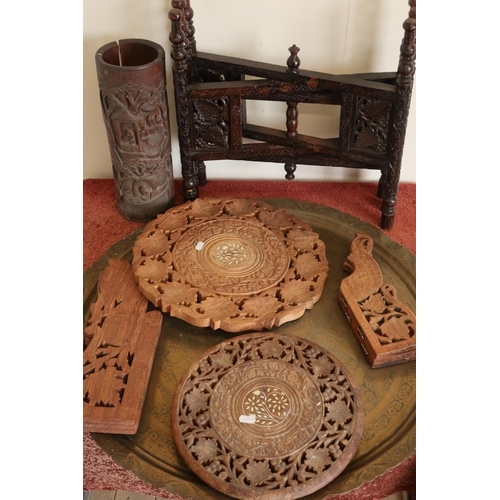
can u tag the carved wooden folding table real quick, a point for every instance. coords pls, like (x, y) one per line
(211, 93)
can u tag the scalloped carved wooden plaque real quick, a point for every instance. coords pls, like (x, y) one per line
(233, 264)
(265, 416)
(384, 327)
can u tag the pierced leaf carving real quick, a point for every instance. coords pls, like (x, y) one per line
(210, 125)
(318, 459)
(278, 412)
(372, 124)
(196, 400)
(257, 472)
(375, 303)
(227, 263)
(338, 411)
(205, 449)
(121, 339)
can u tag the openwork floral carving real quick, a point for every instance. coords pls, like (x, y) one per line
(233, 264)
(372, 124)
(210, 119)
(384, 326)
(388, 318)
(120, 340)
(284, 416)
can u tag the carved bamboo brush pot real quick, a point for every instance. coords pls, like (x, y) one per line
(132, 87)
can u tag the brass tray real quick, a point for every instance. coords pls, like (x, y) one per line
(388, 394)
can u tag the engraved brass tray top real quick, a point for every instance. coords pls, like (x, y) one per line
(234, 264)
(266, 416)
(388, 394)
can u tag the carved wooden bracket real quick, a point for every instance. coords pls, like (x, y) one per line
(384, 327)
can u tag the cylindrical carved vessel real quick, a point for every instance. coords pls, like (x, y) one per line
(132, 86)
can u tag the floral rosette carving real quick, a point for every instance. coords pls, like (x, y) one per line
(233, 264)
(261, 415)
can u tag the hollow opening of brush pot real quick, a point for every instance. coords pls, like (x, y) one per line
(130, 54)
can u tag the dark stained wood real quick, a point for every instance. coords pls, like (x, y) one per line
(384, 327)
(209, 89)
(131, 76)
(120, 343)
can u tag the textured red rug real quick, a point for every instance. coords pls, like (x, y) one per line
(103, 226)
(357, 199)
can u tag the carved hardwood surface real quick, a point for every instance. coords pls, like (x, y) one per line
(383, 325)
(233, 264)
(119, 346)
(388, 394)
(264, 416)
(132, 80)
(211, 92)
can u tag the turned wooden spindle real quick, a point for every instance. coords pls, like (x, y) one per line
(389, 180)
(293, 61)
(176, 35)
(180, 55)
(199, 176)
(183, 24)
(188, 14)
(292, 111)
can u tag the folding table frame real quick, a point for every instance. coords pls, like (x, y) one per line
(211, 93)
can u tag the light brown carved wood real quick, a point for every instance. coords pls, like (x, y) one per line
(233, 264)
(384, 327)
(386, 449)
(120, 344)
(268, 417)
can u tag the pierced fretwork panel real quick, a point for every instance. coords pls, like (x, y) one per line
(383, 325)
(120, 343)
(391, 321)
(210, 123)
(371, 127)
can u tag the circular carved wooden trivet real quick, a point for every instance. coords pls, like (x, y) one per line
(233, 264)
(265, 416)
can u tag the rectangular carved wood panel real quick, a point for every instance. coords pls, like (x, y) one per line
(384, 327)
(121, 338)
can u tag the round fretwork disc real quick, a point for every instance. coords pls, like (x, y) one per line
(267, 416)
(234, 264)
